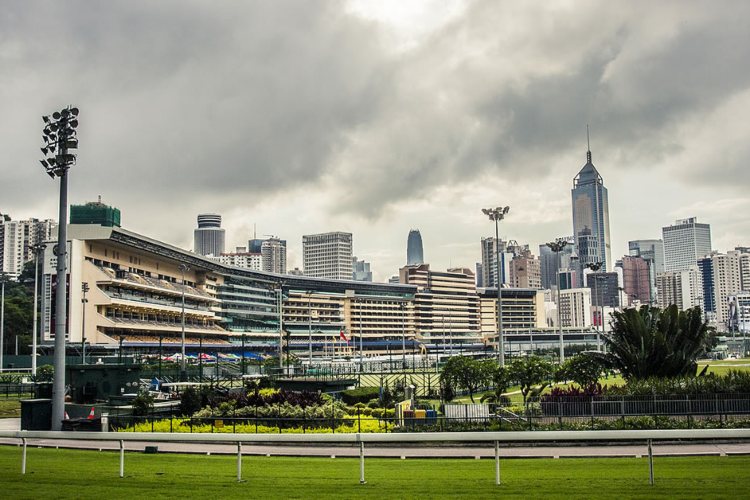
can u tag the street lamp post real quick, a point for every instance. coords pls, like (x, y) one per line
(183, 362)
(37, 249)
(309, 330)
(402, 307)
(595, 267)
(557, 246)
(3, 279)
(59, 138)
(497, 214)
(84, 290)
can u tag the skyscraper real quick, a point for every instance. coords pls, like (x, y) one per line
(653, 252)
(414, 251)
(489, 262)
(636, 279)
(591, 216)
(685, 242)
(273, 255)
(208, 238)
(328, 255)
(361, 270)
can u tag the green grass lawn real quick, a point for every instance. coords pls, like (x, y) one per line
(92, 474)
(10, 408)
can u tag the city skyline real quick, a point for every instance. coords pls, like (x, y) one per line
(405, 117)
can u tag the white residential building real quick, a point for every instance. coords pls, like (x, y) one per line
(328, 255)
(682, 288)
(16, 238)
(241, 258)
(575, 308)
(273, 255)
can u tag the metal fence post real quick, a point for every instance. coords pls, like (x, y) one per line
(122, 458)
(239, 461)
(497, 463)
(650, 464)
(361, 462)
(23, 456)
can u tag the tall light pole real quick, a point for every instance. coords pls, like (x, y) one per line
(3, 279)
(183, 362)
(595, 266)
(309, 329)
(84, 301)
(402, 308)
(557, 246)
(281, 332)
(37, 249)
(497, 214)
(59, 138)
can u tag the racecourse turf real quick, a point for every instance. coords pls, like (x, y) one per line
(79, 474)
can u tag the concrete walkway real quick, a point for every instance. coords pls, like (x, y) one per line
(405, 451)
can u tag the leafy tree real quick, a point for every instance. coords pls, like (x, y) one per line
(532, 373)
(461, 372)
(143, 404)
(583, 369)
(18, 316)
(190, 401)
(651, 342)
(45, 373)
(500, 380)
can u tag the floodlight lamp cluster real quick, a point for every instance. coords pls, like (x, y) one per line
(59, 137)
(558, 245)
(497, 213)
(594, 266)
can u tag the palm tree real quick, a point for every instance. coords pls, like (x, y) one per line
(651, 342)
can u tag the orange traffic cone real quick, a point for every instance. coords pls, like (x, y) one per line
(91, 416)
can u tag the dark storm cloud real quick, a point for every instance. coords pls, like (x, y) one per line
(635, 82)
(225, 103)
(198, 98)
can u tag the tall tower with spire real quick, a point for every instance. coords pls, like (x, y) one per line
(591, 215)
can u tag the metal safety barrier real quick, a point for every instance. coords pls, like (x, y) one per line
(496, 438)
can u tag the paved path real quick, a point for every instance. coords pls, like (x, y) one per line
(404, 451)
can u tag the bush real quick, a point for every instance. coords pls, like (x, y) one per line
(360, 395)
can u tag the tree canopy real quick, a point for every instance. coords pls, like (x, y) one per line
(461, 372)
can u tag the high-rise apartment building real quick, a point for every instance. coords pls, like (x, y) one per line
(16, 238)
(727, 283)
(489, 262)
(653, 252)
(682, 288)
(575, 308)
(273, 255)
(591, 216)
(414, 250)
(242, 258)
(208, 238)
(685, 242)
(636, 279)
(525, 272)
(328, 255)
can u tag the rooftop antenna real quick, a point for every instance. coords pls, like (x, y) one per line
(588, 145)
(254, 235)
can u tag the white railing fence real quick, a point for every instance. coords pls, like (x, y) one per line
(496, 438)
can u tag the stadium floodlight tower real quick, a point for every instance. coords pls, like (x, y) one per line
(498, 214)
(59, 139)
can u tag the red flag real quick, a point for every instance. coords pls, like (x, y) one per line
(343, 336)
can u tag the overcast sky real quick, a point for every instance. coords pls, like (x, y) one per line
(377, 116)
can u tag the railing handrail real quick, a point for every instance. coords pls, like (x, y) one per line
(410, 437)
